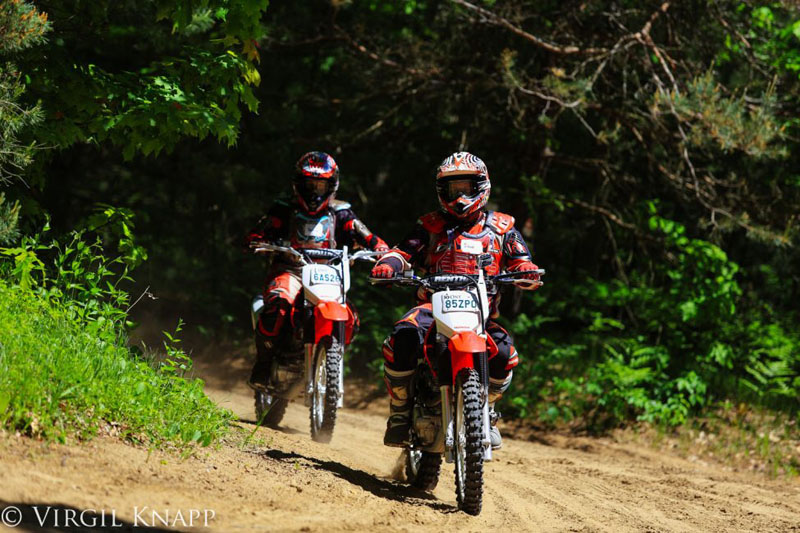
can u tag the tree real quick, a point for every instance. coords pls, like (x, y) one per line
(21, 27)
(143, 75)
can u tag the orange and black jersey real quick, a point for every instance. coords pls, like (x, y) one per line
(439, 243)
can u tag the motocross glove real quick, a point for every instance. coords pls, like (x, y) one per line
(528, 266)
(383, 270)
(533, 276)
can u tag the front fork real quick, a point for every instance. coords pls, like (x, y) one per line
(448, 422)
(482, 360)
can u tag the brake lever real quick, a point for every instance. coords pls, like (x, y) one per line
(367, 257)
(381, 281)
(527, 284)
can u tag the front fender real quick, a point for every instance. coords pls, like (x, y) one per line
(463, 345)
(326, 313)
(331, 311)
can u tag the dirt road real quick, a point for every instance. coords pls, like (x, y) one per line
(282, 481)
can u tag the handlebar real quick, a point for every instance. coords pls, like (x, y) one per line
(266, 247)
(439, 281)
(307, 255)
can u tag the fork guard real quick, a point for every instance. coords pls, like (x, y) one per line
(463, 345)
(327, 313)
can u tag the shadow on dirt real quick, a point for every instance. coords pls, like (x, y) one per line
(379, 487)
(282, 429)
(56, 517)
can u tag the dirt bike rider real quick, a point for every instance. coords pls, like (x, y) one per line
(463, 186)
(313, 218)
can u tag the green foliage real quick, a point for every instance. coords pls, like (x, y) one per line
(9, 217)
(116, 225)
(782, 47)
(659, 347)
(151, 110)
(15, 119)
(21, 26)
(78, 275)
(59, 379)
(189, 76)
(65, 365)
(723, 122)
(648, 150)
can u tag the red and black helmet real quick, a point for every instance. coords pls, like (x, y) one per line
(462, 184)
(316, 180)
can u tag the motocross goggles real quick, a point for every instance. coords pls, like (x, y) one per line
(314, 192)
(316, 187)
(453, 188)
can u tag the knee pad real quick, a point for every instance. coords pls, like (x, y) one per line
(397, 383)
(498, 386)
(272, 318)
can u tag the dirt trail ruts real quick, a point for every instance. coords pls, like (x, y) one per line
(283, 481)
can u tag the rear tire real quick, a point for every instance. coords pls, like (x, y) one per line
(274, 408)
(422, 469)
(325, 392)
(469, 442)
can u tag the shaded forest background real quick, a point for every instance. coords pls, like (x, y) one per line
(648, 150)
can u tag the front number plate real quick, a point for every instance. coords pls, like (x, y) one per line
(451, 304)
(321, 277)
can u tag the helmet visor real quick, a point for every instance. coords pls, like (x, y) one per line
(455, 188)
(315, 187)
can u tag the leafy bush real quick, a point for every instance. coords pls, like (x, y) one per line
(658, 348)
(64, 366)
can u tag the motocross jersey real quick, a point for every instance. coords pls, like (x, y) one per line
(333, 227)
(442, 244)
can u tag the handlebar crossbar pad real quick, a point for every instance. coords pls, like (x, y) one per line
(444, 279)
(321, 253)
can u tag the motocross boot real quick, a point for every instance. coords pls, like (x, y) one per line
(259, 376)
(398, 426)
(496, 389)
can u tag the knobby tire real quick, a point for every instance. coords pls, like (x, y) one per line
(275, 412)
(470, 495)
(427, 470)
(324, 431)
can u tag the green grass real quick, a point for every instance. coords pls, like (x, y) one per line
(61, 377)
(740, 437)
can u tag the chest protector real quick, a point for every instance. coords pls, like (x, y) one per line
(312, 231)
(455, 250)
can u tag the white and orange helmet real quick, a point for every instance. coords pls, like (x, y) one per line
(462, 184)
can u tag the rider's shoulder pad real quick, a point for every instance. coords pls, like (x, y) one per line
(340, 205)
(500, 222)
(433, 221)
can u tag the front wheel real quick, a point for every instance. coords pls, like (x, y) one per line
(325, 391)
(269, 409)
(469, 442)
(422, 469)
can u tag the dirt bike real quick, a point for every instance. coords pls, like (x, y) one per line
(450, 388)
(324, 328)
